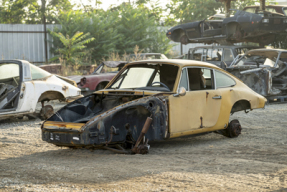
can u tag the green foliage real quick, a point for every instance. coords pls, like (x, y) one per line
(117, 30)
(73, 47)
(183, 11)
(30, 11)
(187, 11)
(241, 4)
(15, 11)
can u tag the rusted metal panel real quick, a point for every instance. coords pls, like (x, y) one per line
(263, 70)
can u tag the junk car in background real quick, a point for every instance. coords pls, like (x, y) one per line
(99, 78)
(153, 100)
(58, 69)
(264, 71)
(282, 9)
(145, 56)
(218, 55)
(260, 27)
(23, 85)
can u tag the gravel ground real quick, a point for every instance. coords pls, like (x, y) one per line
(255, 161)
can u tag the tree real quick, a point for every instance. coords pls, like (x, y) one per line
(187, 11)
(117, 30)
(16, 11)
(139, 28)
(31, 11)
(73, 47)
(183, 11)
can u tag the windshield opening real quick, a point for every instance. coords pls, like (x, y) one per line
(266, 58)
(9, 74)
(106, 69)
(155, 77)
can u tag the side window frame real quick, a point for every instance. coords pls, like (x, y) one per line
(185, 68)
(197, 49)
(213, 80)
(214, 74)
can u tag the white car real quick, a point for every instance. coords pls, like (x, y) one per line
(23, 85)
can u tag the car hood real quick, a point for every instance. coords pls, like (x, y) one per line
(77, 78)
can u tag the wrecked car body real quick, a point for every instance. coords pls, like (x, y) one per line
(23, 85)
(260, 27)
(153, 100)
(218, 54)
(264, 71)
(99, 78)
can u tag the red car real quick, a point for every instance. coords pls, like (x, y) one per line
(99, 78)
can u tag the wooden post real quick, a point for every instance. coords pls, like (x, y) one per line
(227, 8)
(45, 30)
(262, 5)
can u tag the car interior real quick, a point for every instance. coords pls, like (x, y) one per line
(9, 85)
(200, 79)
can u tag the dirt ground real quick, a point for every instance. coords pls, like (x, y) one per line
(255, 161)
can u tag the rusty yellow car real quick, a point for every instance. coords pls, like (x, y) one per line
(153, 100)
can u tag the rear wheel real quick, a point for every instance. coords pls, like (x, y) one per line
(46, 112)
(235, 32)
(233, 129)
(184, 39)
(101, 86)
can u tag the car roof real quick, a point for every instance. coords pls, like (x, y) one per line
(251, 6)
(114, 64)
(179, 62)
(226, 46)
(255, 50)
(144, 54)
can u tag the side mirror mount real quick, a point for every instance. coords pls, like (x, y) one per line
(181, 92)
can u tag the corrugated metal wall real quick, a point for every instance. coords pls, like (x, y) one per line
(24, 41)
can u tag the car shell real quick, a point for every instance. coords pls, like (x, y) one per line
(32, 91)
(173, 115)
(99, 78)
(269, 81)
(271, 8)
(244, 26)
(227, 53)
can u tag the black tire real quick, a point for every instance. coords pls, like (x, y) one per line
(233, 129)
(101, 86)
